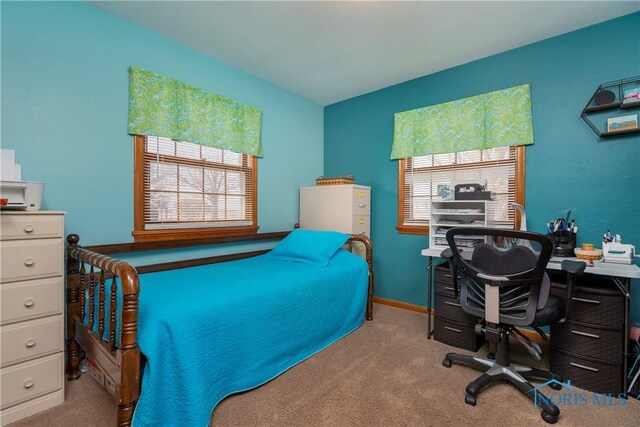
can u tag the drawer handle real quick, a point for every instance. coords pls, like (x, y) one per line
(590, 301)
(361, 205)
(452, 303)
(29, 262)
(30, 343)
(28, 384)
(587, 368)
(453, 329)
(585, 334)
(447, 275)
(448, 288)
(29, 302)
(28, 228)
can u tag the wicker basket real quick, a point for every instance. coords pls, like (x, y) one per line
(334, 180)
(592, 255)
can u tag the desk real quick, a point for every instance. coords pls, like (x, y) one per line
(621, 274)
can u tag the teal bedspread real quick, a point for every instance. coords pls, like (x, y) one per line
(211, 331)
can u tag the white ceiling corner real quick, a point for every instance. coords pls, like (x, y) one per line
(329, 51)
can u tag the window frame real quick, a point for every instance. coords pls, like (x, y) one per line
(140, 234)
(424, 229)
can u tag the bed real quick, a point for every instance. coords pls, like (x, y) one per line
(170, 341)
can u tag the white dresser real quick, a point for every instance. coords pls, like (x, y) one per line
(32, 313)
(345, 208)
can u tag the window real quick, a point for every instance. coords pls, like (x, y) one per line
(185, 190)
(418, 177)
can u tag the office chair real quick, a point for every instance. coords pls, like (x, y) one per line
(504, 288)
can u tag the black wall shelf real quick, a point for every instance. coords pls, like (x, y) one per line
(617, 87)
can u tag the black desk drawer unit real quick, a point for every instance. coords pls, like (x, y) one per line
(452, 325)
(588, 348)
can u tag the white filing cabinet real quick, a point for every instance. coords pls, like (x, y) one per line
(345, 208)
(32, 313)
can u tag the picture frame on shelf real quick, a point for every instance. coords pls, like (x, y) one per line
(446, 191)
(620, 123)
(631, 95)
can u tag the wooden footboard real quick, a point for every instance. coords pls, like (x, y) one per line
(118, 368)
(93, 322)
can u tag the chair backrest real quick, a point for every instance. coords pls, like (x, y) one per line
(500, 285)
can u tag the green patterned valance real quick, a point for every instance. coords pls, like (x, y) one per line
(162, 106)
(495, 119)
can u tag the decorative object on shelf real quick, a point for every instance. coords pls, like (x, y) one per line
(631, 95)
(446, 191)
(623, 122)
(604, 97)
(472, 192)
(615, 95)
(334, 180)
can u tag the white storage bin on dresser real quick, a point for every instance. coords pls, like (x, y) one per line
(345, 208)
(31, 316)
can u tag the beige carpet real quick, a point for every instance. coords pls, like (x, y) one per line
(384, 374)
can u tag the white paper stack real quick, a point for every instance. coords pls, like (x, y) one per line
(9, 170)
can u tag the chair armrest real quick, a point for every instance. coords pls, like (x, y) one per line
(573, 267)
(494, 279)
(573, 270)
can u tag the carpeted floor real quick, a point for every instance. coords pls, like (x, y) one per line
(384, 374)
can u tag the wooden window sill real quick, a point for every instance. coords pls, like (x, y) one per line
(191, 233)
(413, 229)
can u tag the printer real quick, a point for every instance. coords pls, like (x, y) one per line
(22, 195)
(618, 253)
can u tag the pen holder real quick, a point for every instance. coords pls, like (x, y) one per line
(564, 242)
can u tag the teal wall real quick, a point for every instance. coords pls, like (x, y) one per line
(64, 111)
(567, 167)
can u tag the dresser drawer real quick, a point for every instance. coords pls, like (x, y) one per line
(362, 225)
(603, 344)
(28, 340)
(457, 334)
(361, 202)
(449, 308)
(31, 299)
(30, 379)
(30, 259)
(35, 226)
(587, 373)
(600, 306)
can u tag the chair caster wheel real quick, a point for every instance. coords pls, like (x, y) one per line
(555, 386)
(446, 363)
(549, 418)
(491, 356)
(470, 400)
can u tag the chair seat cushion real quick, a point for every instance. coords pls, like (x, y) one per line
(550, 313)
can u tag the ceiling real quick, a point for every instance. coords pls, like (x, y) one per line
(328, 51)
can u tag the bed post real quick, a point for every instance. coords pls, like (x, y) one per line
(369, 258)
(73, 309)
(129, 351)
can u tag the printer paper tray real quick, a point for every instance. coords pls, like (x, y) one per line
(14, 207)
